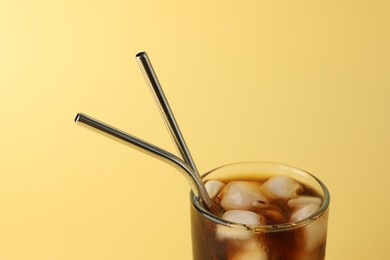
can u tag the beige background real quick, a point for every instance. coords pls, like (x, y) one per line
(300, 82)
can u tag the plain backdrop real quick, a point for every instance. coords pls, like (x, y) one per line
(304, 83)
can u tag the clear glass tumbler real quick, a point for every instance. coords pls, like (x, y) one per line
(214, 237)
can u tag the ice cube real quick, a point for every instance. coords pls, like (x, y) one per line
(213, 187)
(304, 212)
(250, 250)
(314, 234)
(301, 201)
(281, 187)
(241, 195)
(272, 212)
(242, 217)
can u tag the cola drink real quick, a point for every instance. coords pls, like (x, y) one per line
(265, 211)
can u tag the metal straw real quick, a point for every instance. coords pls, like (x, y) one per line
(152, 80)
(142, 146)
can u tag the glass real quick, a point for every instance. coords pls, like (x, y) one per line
(217, 238)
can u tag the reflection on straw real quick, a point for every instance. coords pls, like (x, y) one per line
(154, 84)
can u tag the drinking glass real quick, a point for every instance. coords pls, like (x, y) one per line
(216, 238)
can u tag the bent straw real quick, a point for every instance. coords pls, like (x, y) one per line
(154, 84)
(142, 146)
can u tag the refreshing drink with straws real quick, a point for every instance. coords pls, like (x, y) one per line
(242, 211)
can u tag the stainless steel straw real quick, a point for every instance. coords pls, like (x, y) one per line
(154, 84)
(142, 146)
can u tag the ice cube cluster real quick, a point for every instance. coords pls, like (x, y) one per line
(276, 200)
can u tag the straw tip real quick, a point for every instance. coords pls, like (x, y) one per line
(140, 54)
(77, 118)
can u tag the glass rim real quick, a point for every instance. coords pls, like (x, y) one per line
(264, 228)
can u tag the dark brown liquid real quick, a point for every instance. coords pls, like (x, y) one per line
(288, 245)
